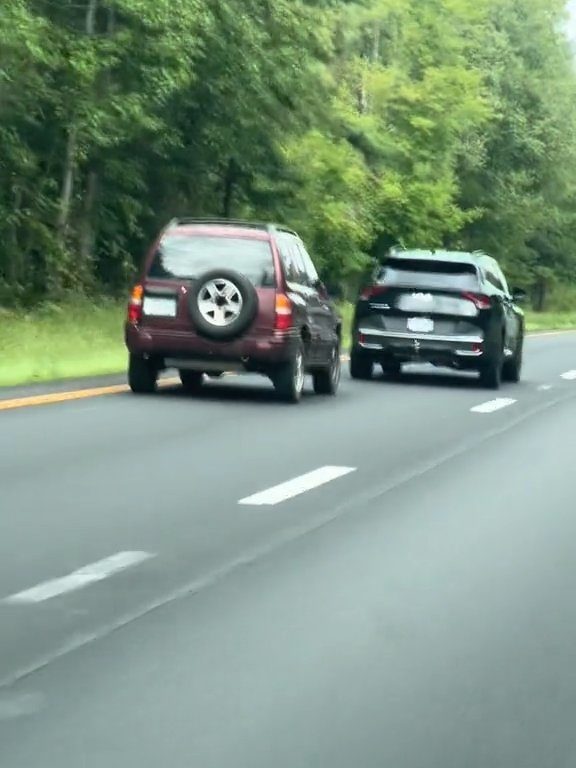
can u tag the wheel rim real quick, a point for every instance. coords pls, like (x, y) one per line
(220, 302)
(298, 373)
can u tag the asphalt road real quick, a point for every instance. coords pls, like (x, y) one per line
(407, 601)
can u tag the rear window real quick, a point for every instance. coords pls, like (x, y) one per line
(187, 257)
(424, 273)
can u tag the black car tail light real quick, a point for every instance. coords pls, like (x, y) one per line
(479, 300)
(372, 291)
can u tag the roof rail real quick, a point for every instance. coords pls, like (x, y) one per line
(184, 220)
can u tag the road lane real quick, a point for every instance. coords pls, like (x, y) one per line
(431, 627)
(81, 482)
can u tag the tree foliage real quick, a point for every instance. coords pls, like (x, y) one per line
(361, 124)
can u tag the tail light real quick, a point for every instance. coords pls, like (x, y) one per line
(372, 291)
(135, 305)
(284, 312)
(479, 300)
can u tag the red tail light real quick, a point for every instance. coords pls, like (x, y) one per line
(479, 300)
(135, 305)
(372, 291)
(284, 311)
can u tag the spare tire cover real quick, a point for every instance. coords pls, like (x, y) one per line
(222, 304)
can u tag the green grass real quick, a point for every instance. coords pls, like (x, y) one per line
(86, 339)
(346, 311)
(550, 321)
(58, 342)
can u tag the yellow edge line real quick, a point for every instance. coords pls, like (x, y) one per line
(80, 394)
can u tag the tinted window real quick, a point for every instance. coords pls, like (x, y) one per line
(501, 279)
(427, 273)
(311, 272)
(493, 278)
(188, 256)
(291, 259)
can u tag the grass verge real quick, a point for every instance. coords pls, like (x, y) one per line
(60, 342)
(550, 321)
(86, 339)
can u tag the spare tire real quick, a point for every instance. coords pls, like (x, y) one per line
(222, 304)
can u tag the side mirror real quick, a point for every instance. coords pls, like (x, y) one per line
(519, 295)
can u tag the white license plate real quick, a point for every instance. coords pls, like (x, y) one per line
(420, 324)
(156, 306)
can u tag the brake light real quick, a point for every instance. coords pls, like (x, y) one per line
(479, 300)
(135, 305)
(284, 311)
(372, 291)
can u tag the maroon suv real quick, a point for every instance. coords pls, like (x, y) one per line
(219, 295)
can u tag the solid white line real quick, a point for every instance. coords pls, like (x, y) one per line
(493, 405)
(79, 579)
(298, 485)
(569, 376)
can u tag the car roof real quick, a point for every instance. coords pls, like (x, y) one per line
(225, 228)
(462, 257)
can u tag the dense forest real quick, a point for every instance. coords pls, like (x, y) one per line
(361, 124)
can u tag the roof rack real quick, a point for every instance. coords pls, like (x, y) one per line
(184, 220)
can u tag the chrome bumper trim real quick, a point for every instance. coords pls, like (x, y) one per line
(420, 337)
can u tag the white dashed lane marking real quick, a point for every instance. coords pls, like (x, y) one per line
(87, 575)
(544, 387)
(296, 486)
(569, 376)
(493, 405)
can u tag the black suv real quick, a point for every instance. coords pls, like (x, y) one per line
(451, 309)
(217, 295)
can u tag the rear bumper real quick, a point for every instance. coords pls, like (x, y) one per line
(172, 349)
(457, 351)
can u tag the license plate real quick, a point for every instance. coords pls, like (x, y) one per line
(420, 324)
(155, 306)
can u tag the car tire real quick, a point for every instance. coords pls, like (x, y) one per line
(361, 367)
(288, 380)
(192, 381)
(241, 303)
(512, 369)
(142, 375)
(491, 371)
(327, 380)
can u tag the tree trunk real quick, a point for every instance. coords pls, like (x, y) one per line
(540, 295)
(15, 261)
(90, 21)
(87, 225)
(67, 185)
(230, 179)
(376, 43)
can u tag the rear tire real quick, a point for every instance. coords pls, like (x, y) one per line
(192, 381)
(288, 380)
(142, 375)
(512, 370)
(491, 372)
(326, 381)
(361, 367)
